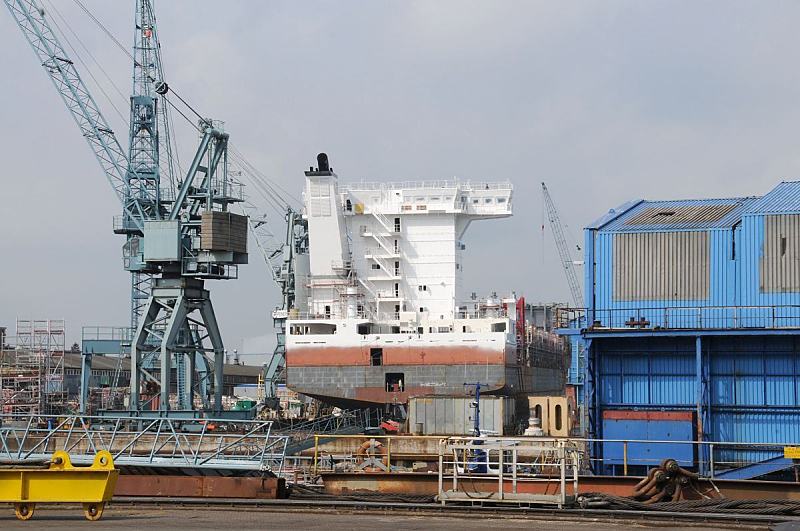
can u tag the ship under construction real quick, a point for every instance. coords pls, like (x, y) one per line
(381, 313)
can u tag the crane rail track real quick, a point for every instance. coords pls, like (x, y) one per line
(434, 509)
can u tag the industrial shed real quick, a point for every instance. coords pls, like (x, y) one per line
(691, 332)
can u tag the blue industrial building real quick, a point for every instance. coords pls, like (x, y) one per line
(691, 332)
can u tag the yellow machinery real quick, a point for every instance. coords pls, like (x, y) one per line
(60, 482)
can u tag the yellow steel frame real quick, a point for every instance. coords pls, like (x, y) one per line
(61, 482)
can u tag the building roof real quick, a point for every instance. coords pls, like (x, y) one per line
(109, 363)
(686, 214)
(783, 199)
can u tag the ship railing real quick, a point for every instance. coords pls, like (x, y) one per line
(136, 441)
(483, 313)
(682, 318)
(381, 252)
(418, 185)
(295, 315)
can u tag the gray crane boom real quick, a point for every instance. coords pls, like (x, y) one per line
(31, 19)
(563, 250)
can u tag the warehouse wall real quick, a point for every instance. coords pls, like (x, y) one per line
(753, 385)
(649, 271)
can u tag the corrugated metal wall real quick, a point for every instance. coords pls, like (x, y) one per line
(652, 265)
(454, 415)
(657, 266)
(780, 259)
(754, 385)
(769, 273)
(647, 373)
(752, 267)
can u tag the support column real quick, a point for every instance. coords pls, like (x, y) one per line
(176, 322)
(168, 330)
(86, 375)
(187, 400)
(210, 320)
(700, 397)
(592, 402)
(138, 347)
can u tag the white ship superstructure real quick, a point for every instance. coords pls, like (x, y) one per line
(381, 310)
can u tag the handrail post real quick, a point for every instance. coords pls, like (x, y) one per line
(389, 453)
(711, 459)
(625, 458)
(316, 452)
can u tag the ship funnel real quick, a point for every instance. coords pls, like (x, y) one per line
(322, 162)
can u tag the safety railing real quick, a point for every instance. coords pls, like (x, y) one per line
(712, 459)
(106, 333)
(418, 185)
(682, 318)
(504, 470)
(146, 442)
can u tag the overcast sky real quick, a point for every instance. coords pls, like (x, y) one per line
(605, 101)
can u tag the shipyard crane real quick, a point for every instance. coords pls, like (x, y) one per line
(563, 249)
(280, 257)
(174, 241)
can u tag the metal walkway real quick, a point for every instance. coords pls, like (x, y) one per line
(349, 421)
(242, 446)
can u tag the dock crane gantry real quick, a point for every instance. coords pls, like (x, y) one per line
(174, 241)
(280, 257)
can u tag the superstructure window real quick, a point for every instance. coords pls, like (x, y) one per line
(394, 382)
(376, 357)
(397, 224)
(376, 266)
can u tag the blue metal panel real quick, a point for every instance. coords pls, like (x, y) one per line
(750, 362)
(755, 470)
(784, 313)
(577, 361)
(783, 199)
(613, 214)
(103, 346)
(780, 427)
(648, 455)
(683, 313)
(754, 387)
(643, 374)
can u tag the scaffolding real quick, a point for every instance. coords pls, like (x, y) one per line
(32, 368)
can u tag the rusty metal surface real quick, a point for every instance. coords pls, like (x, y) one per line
(201, 487)
(427, 483)
(332, 356)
